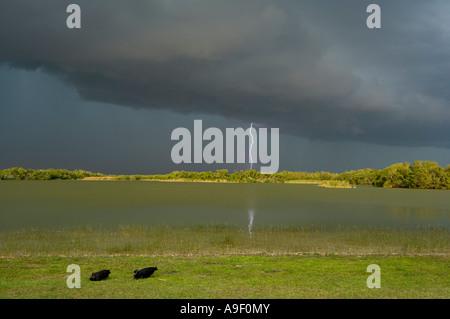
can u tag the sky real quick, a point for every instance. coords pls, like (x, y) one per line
(106, 97)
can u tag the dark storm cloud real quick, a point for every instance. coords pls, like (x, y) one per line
(312, 68)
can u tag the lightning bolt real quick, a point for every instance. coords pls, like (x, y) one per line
(251, 146)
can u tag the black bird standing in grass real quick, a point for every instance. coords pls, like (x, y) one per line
(144, 273)
(102, 274)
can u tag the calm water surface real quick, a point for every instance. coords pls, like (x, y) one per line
(57, 204)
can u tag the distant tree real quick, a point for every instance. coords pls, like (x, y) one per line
(359, 177)
(222, 174)
(396, 175)
(428, 174)
(18, 173)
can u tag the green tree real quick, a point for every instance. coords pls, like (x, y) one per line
(428, 174)
(396, 175)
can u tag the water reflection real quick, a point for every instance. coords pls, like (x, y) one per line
(251, 215)
(416, 214)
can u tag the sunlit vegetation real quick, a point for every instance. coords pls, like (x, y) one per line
(420, 174)
(19, 173)
(337, 184)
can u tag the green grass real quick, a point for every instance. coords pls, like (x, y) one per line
(228, 277)
(322, 183)
(303, 181)
(337, 184)
(222, 261)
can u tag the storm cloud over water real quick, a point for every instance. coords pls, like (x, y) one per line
(311, 68)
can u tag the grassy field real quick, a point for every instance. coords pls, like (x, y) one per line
(222, 261)
(228, 277)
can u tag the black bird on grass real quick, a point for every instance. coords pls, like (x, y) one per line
(144, 273)
(102, 274)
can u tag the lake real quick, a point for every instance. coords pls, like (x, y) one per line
(64, 204)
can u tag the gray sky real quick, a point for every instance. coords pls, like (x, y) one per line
(106, 97)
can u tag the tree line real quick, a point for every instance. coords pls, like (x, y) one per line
(420, 174)
(19, 173)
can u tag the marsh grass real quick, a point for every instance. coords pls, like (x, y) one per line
(222, 239)
(323, 183)
(336, 184)
(303, 181)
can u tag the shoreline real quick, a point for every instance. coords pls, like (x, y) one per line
(223, 240)
(113, 178)
(322, 183)
(419, 175)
